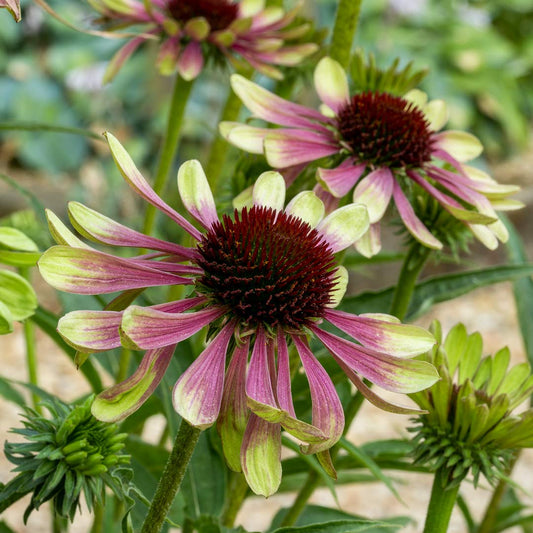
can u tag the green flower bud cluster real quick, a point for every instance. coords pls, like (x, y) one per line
(64, 456)
(470, 424)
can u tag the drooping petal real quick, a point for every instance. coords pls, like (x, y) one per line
(91, 331)
(121, 57)
(414, 225)
(122, 399)
(13, 6)
(137, 182)
(344, 226)
(484, 235)
(340, 180)
(167, 56)
(272, 108)
(147, 328)
(196, 194)
(247, 138)
(261, 456)
(284, 392)
(292, 147)
(327, 412)
(391, 373)
(375, 192)
(91, 272)
(269, 190)
(197, 395)
(234, 412)
(308, 207)
(461, 145)
(100, 228)
(61, 234)
(191, 61)
(400, 340)
(370, 243)
(331, 83)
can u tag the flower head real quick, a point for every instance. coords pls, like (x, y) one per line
(66, 455)
(470, 423)
(263, 280)
(382, 146)
(190, 31)
(13, 6)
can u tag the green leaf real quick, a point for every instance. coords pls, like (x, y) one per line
(11, 394)
(4, 528)
(22, 125)
(6, 320)
(435, 290)
(358, 525)
(17, 294)
(19, 259)
(522, 288)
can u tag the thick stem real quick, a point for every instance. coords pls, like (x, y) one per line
(172, 477)
(98, 519)
(31, 353)
(411, 268)
(180, 95)
(238, 488)
(440, 504)
(344, 31)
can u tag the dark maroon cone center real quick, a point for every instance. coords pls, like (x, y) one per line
(219, 13)
(267, 267)
(386, 130)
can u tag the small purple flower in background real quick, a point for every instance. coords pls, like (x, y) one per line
(243, 33)
(381, 146)
(264, 280)
(13, 6)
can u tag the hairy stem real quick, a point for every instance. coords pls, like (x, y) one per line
(172, 477)
(344, 30)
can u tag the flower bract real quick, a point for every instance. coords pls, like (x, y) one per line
(380, 146)
(263, 281)
(243, 33)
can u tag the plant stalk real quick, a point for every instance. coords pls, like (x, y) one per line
(172, 477)
(344, 31)
(440, 504)
(180, 95)
(238, 488)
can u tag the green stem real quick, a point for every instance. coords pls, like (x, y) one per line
(219, 148)
(123, 365)
(313, 479)
(344, 31)
(238, 488)
(180, 95)
(412, 266)
(440, 504)
(31, 352)
(98, 520)
(172, 477)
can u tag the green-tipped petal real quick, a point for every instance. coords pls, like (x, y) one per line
(436, 113)
(247, 138)
(331, 83)
(341, 283)
(460, 145)
(344, 226)
(61, 234)
(307, 206)
(269, 190)
(417, 97)
(14, 239)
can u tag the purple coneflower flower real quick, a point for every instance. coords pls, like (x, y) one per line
(265, 280)
(244, 32)
(13, 6)
(381, 146)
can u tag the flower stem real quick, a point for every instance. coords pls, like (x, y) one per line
(344, 30)
(440, 504)
(238, 488)
(412, 266)
(180, 95)
(31, 353)
(219, 148)
(123, 365)
(172, 477)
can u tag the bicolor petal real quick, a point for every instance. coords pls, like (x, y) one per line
(308, 207)
(190, 61)
(196, 194)
(61, 234)
(247, 138)
(122, 399)
(375, 192)
(197, 395)
(331, 83)
(344, 226)
(13, 6)
(370, 243)
(340, 180)
(461, 145)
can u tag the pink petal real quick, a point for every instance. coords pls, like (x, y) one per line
(121, 57)
(284, 376)
(234, 412)
(197, 395)
(340, 180)
(391, 373)
(91, 272)
(147, 328)
(415, 226)
(293, 147)
(191, 61)
(375, 192)
(122, 399)
(137, 182)
(327, 413)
